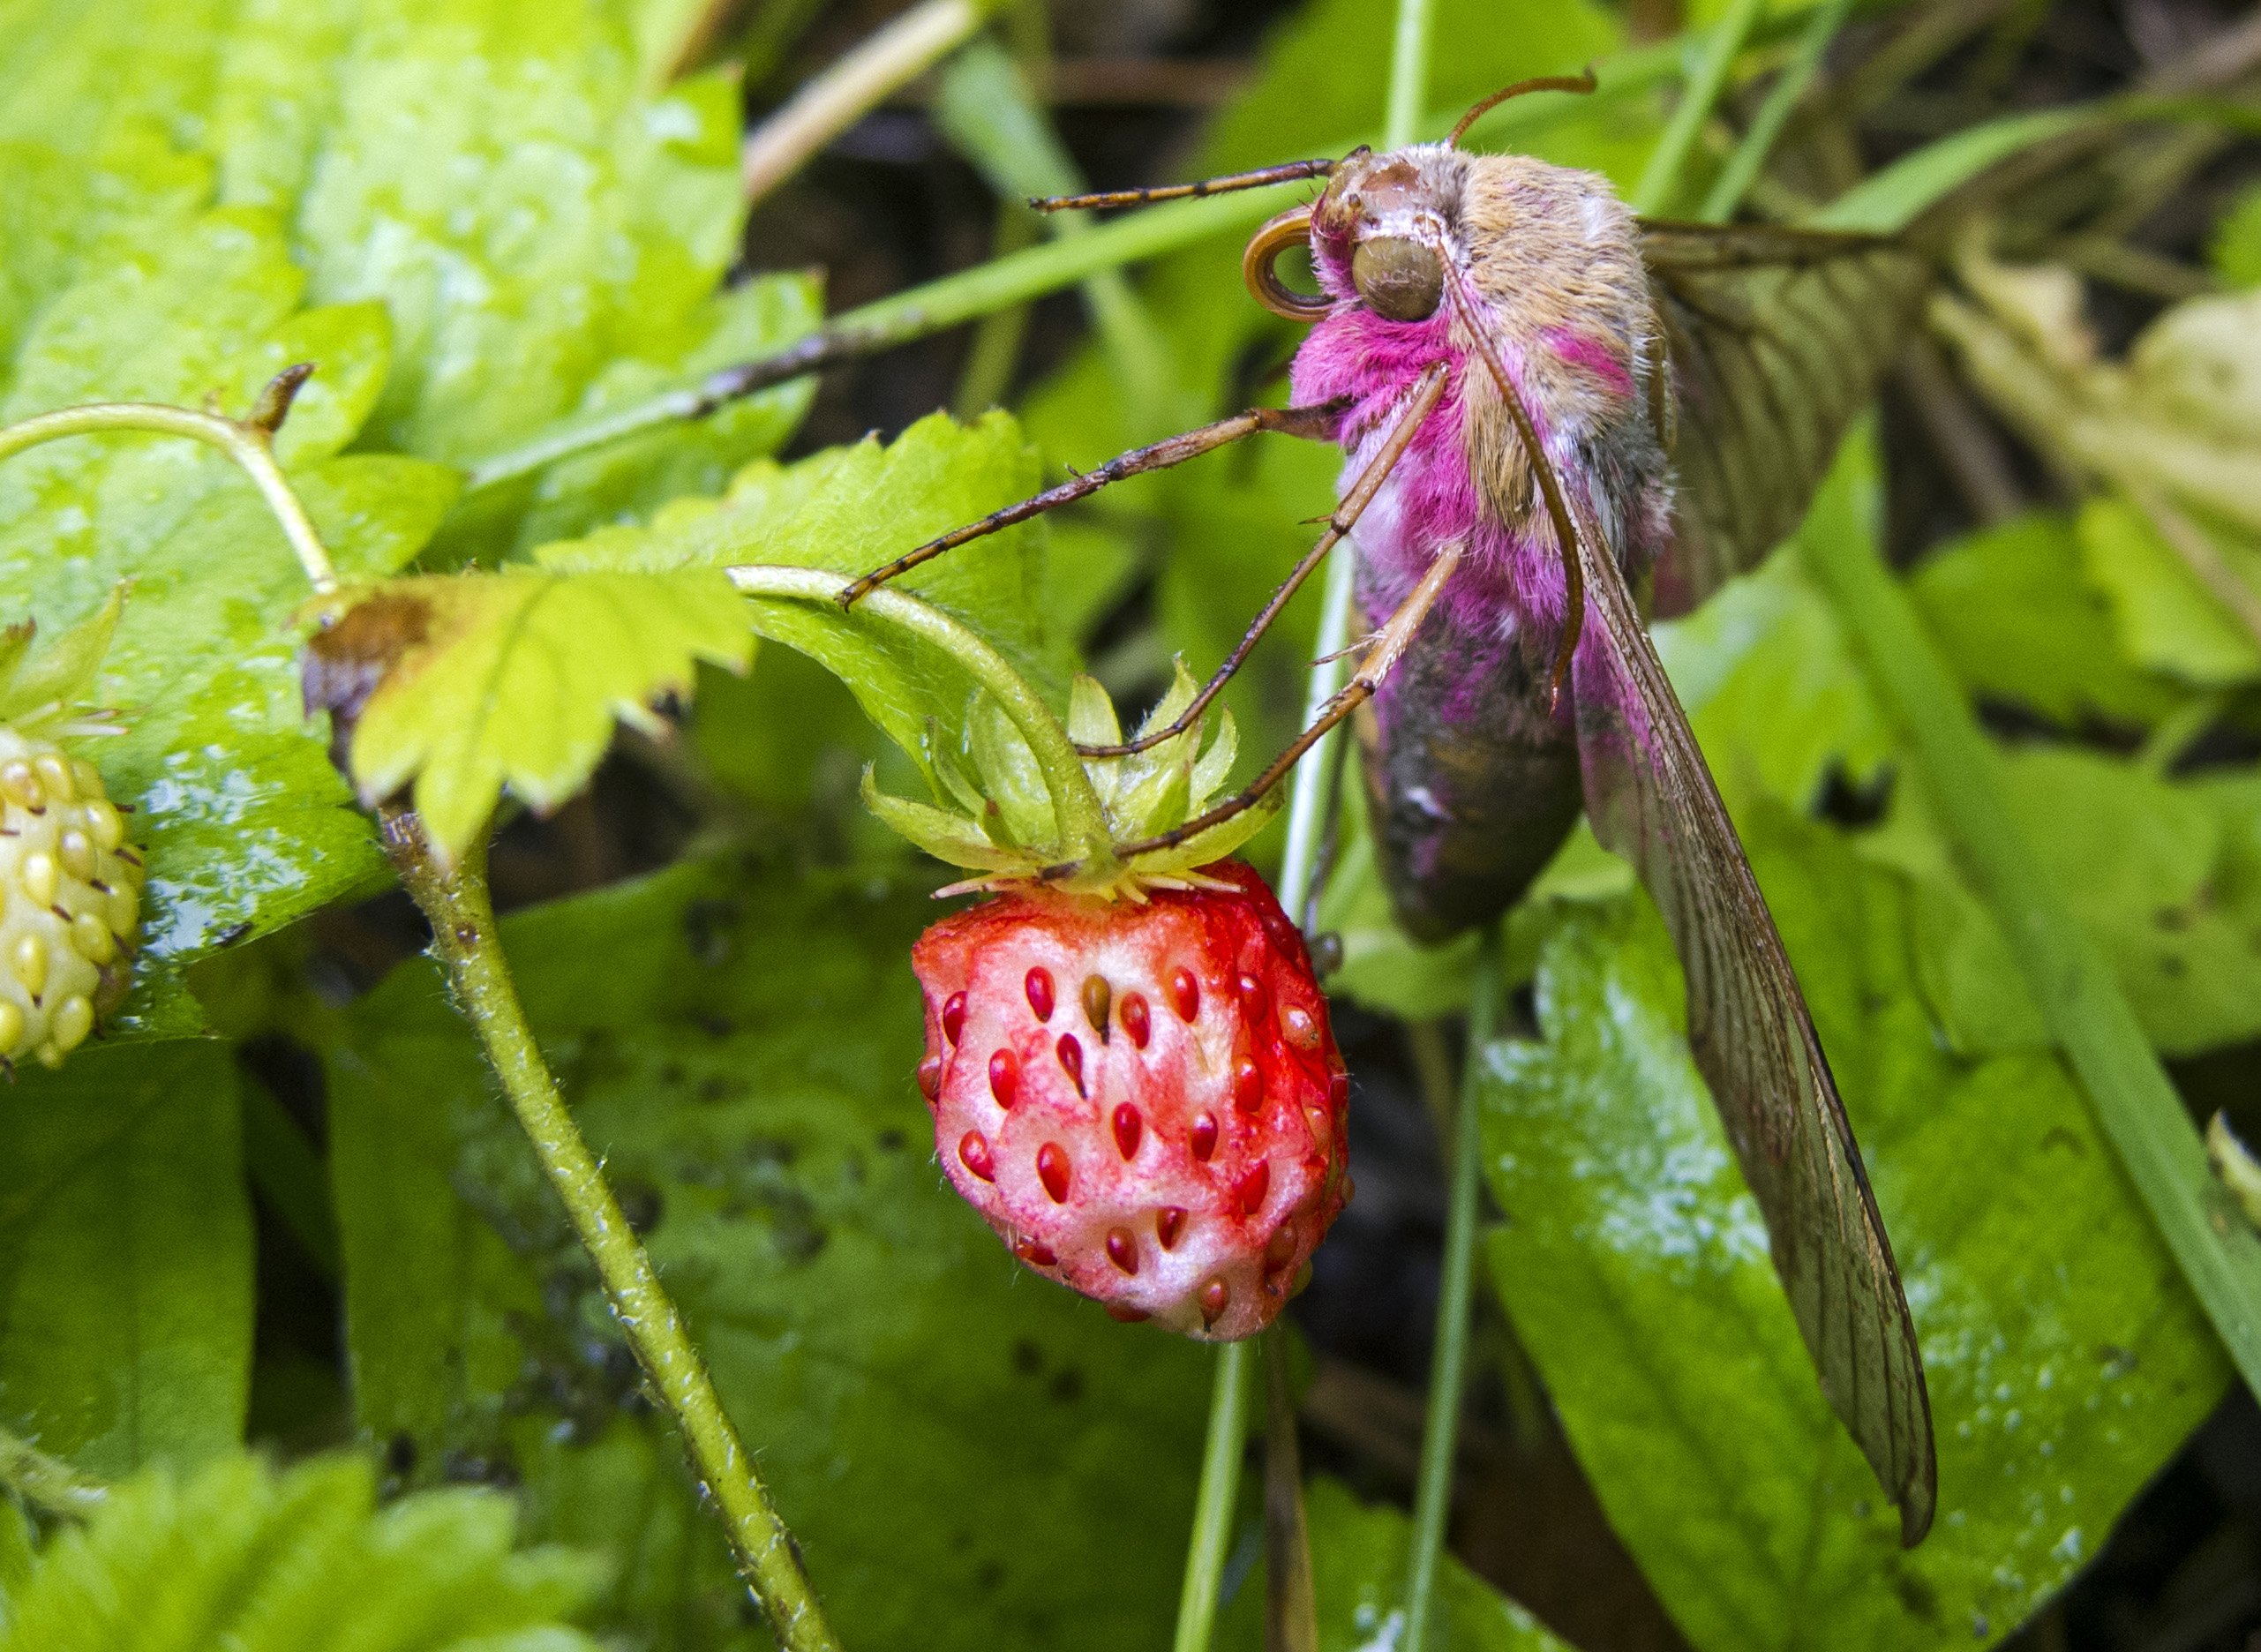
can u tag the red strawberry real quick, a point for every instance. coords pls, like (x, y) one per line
(1143, 1099)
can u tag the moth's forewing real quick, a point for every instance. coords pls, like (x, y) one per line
(1777, 338)
(1471, 784)
(1651, 799)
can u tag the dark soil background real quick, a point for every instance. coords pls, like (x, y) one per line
(890, 205)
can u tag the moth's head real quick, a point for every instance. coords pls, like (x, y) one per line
(1379, 235)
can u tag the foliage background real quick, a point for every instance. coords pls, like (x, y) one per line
(285, 1208)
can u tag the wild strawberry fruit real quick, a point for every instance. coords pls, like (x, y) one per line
(70, 900)
(1128, 1061)
(69, 883)
(1143, 1099)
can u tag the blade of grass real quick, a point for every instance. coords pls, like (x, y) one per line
(2079, 998)
(1660, 179)
(1782, 101)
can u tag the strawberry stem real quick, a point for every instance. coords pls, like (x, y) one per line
(454, 900)
(1432, 1497)
(1078, 815)
(1212, 1509)
(249, 442)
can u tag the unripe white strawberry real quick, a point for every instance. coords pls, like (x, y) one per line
(69, 899)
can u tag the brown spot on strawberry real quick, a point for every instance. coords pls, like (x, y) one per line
(1097, 998)
(930, 1077)
(1301, 1027)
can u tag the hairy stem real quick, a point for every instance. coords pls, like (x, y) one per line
(2079, 998)
(248, 442)
(845, 93)
(1432, 1497)
(454, 900)
(1078, 813)
(1213, 1507)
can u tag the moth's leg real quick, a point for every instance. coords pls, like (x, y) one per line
(1287, 172)
(1315, 423)
(1477, 322)
(1426, 392)
(1394, 639)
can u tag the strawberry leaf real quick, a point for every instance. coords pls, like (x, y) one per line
(125, 1256)
(849, 510)
(514, 679)
(241, 1556)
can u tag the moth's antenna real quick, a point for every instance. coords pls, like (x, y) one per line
(1581, 83)
(1284, 173)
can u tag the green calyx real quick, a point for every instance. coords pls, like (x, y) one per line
(44, 693)
(1002, 819)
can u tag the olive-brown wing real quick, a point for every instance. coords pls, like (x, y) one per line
(1651, 799)
(1777, 338)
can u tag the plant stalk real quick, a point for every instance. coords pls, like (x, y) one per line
(842, 96)
(1213, 1507)
(1078, 813)
(2079, 998)
(251, 445)
(1432, 1497)
(465, 937)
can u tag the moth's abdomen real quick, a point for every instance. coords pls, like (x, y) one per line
(1471, 784)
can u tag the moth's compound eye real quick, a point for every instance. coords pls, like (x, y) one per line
(1398, 278)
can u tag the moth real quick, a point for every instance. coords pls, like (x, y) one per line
(1555, 414)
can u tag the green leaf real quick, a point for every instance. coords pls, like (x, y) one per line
(2010, 609)
(243, 822)
(2066, 1360)
(238, 1555)
(2148, 865)
(516, 678)
(935, 1426)
(2167, 620)
(125, 1256)
(847, 510)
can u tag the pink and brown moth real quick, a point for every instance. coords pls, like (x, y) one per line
(1550, 409)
